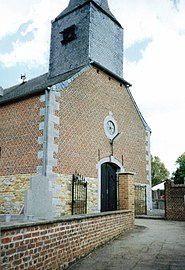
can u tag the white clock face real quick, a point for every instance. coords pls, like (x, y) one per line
(110, 127)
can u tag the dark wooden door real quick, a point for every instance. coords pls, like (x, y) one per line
(108, 187)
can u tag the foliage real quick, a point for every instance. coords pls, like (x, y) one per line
(159, 171)
(179, 174)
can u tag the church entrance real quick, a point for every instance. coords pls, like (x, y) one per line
(108, 187)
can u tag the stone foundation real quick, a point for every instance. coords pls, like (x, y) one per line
(12, 189)
(61, 187)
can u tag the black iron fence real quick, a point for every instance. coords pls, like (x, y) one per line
(79, 195)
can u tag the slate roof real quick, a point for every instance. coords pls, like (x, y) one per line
(74, 4)
(34, 86)
(41, 83)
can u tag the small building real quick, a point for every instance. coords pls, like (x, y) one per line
(158, 191)
(78, 117)
(158, 196)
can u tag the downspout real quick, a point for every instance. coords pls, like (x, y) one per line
(45, 133)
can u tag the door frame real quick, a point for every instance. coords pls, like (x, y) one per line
(98, 167)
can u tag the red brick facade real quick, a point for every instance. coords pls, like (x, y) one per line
(84, 104)
(19, 132)
(78, 112)
(48, 137)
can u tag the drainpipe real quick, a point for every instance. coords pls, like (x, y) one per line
(45, 133)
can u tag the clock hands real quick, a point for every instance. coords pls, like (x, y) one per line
(110, 127)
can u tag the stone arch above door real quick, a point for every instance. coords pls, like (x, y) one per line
(110, 160)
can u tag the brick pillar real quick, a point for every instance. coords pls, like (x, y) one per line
(175, 201)
(126, 191)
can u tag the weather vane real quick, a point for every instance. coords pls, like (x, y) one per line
(23, 78)
(1, 91)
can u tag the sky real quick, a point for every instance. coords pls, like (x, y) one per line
(154, 58)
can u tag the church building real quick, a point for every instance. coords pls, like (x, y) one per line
(79, 117)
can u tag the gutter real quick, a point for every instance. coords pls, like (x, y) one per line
(112, 74)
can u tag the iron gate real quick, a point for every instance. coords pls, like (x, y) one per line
(140, 200)
(79, 195)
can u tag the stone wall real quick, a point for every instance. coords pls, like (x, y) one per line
(62, 194)
(55, 244)
(175, 201)
(12, 193)
(12, 189)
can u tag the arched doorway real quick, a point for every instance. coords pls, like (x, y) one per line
(109, 186)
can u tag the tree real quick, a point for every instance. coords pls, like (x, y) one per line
(159, 171)
(179, 174)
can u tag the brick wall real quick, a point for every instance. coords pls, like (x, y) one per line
(19, 126)
(19, 133)
(84, 105)
(81, 142)
(55, 244)
(175, 201)
(126, 191)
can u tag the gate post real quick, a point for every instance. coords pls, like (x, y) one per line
(126, 191)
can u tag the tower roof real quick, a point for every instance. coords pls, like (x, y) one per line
(73, 4)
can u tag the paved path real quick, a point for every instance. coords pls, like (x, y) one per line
(153, 244)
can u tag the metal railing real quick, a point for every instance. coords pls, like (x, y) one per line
(79, 195)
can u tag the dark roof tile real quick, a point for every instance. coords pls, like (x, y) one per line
(34, 86)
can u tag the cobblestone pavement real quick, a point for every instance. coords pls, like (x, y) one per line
(152, 244)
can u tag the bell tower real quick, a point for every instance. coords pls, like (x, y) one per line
(85, 32)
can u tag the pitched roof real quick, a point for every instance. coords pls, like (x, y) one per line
(74, 4)
(41, 83)
(159, 186)
(34, 86)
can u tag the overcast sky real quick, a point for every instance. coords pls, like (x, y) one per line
(154, 58)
